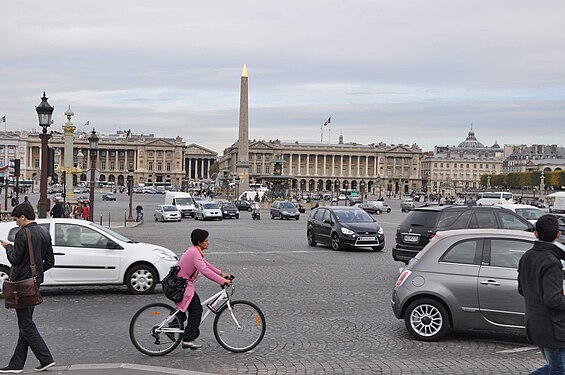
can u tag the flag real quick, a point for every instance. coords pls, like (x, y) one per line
(3, 119)
(328, 122)
(87, 123)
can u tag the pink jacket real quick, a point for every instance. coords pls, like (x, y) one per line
(192, 261)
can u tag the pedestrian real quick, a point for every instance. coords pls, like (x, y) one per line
(26, 200)
(77, 212)
(68, 210)
(191, 263)
(139, 210)
(18, 255)
(85, 211)
(57, 211)
(540, 281)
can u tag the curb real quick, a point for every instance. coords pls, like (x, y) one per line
(102, 368)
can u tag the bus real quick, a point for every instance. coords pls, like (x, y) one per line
(489, 198)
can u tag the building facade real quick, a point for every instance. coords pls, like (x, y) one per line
(522, 158)
(313, 167)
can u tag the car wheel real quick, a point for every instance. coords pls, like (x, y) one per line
(155, 216)
(141, 279)
(162, 219)
(298, 218)
(249, 209)
(4, 275)
(427, 319)
(388, 211)
(310, 236)
(336, 242)
(237, 217)
(220, 219)
(272, 217)
(280, 216)
(378, 248)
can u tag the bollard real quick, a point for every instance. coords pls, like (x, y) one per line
(125, 219)
(101, 219)
(109, 219)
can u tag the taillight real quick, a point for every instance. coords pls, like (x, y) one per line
(403, 276)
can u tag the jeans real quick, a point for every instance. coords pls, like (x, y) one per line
(139, 216)
(29, 338)
(555, 359)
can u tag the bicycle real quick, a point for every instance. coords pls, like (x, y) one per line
(239, 326)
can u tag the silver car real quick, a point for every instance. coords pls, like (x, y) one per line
(167, 212)
(207, 211)
(463, 279)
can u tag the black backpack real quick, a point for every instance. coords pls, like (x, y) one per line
(173, 285)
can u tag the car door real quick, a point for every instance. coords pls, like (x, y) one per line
(84, 256)
(499, 300)
(325, 225)
(274, 209)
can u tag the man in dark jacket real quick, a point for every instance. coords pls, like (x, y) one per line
(18, 255)
(58, 210)
(540, 281)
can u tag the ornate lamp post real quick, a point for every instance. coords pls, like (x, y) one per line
(237, 179)
(362, 188)
(44, 112)
(93, 140)
(130, 190)
(336, 188)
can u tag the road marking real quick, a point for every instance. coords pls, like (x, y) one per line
(518, 350)
(266, 252)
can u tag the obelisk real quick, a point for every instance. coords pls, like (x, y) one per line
(242, 164)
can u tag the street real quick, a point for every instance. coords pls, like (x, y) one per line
(327, 312)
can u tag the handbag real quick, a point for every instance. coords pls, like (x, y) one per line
(23, 293)
(173, 285)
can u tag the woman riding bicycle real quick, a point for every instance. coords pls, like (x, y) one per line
(192, 263)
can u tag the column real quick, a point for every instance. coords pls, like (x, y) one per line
(307, 165)
(299, 173)
(341, 166)
(349, 167)
(290, 164)
(333, 166)
(324, 166)
(366, 166)
(316, 165)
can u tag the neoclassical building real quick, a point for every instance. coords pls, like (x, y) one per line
(449, 170)
(522, 158)
(321, 167)
(152, 159)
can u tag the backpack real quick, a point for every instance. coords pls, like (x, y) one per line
(173, 285)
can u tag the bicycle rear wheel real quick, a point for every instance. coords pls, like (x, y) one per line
(146, 335)
(240, 329)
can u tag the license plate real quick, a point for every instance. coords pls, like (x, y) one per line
(408, 238)
(367, 238)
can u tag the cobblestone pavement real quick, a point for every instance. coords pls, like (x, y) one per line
(327, 312)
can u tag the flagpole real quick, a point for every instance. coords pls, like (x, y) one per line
(329, 133)
(322, 132)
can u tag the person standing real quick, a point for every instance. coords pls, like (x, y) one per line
(191, 263)
(57, 211)
(85, 211)
(68, 210)
(139, 210)
(18, 255)
(540, 281)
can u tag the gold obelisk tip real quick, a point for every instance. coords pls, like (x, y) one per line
(244, 73)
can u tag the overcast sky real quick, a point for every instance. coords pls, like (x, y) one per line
(416, 71)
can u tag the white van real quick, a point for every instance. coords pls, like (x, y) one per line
(183, 202)
(249, 195)
(556, 202)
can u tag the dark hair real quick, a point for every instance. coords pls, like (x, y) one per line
(547, 228)
(24, 209)
(198, 235)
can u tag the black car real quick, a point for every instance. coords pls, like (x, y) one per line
(243, 205)
(229, 210)
(340, 227)
(421, 225)
(284, 210)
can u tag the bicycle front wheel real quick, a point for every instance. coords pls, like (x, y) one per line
(240, 329)
(151, 333)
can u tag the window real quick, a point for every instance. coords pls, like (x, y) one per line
(465, 252)
(267, 169)
(510, 221)
(150, 165)
(71, 235)
(122, 166)
(13, 231)
(103, 164)
(456, 219)
(159, 166)
(327, 216)
(507, 253)
(484, 219)
(168, 166)
(112, 165)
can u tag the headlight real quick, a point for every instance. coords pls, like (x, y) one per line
(285, 212)
(381, 231)
(225, 212)
(166, 254)
(346, 231)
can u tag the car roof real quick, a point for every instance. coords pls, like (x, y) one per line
(515, 206)
(485, 233)
(455, 207)
(342, 208)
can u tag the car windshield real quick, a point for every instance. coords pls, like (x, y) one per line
(112, 233)
(210, 206)
(169, 208)
(183, 201)
(353, 216)
(229, 205)
(421, 218)
(530, 213)
(287, 205)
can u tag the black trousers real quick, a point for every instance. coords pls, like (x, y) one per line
(29, 338)
(194, 313)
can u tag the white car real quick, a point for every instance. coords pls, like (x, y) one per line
(89, 254)
(530, 213)
(167, 212)
(207, 211)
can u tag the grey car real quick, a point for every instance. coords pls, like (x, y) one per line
(284, 210)
(463, 279)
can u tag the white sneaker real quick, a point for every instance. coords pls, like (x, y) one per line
(44, 367)
(190, 345)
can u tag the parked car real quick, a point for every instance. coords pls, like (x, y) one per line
(561, 221)
(58, 197)
(538, 204)
(530, 213)
(375, 207)
(167, 212)
(243, 205)
(421, 225)
(407, 205)
(89, 254)
(229, 210)
(109, 196)
(284, 210)
(463, 279)
(342, 226)
(207, 211)
(83, 200)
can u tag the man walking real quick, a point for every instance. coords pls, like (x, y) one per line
(139, 210)
(540, 281)
(18, 255)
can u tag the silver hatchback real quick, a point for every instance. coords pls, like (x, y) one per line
(463, 279)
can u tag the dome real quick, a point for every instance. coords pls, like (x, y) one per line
(471, 141)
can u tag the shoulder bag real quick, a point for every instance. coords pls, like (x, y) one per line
(23, 293)
(173, 285)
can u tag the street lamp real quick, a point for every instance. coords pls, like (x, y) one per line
(93, 140)
(362, 188)
(237, 179)
(130, 190)
(336, 188)
(44, 112)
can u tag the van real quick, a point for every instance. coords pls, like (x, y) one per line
(556, 202)
(249, 195)
(183, 202)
